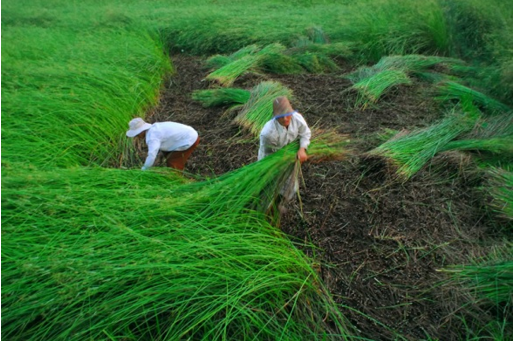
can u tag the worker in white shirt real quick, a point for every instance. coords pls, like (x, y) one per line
(285, 127)
(176, 140)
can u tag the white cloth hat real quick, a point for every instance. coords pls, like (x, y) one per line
(136, 126)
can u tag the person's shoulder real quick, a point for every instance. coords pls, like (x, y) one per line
(268, 126)
(297, 114)
(299, 117)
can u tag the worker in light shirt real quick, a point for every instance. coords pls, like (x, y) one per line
(285, 127)
(177, 141)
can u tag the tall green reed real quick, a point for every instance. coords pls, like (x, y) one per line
(148, 254)
(66, 103)
(410, 152)
(259, 108)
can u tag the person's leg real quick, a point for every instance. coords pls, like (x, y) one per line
(178, 160)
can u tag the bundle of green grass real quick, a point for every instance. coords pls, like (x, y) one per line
(409, 152)
(372, 82)
(112, 254)
(488, 278)
(498, 185)
(221, 97)
(314, 57)
(247, 59)
(259, 108)
(455, 91)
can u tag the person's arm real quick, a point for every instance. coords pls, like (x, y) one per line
(268, 141)
(266, 146)
(305, 139)
(302, 154)
(153, 150)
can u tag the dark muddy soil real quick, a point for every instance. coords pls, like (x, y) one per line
(380, 241)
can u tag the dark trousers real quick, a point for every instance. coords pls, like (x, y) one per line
(178, 159)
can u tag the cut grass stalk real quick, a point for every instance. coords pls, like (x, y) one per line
(372, 88)
(221, 97)
(191, 260)
(409, 153)
(498, 145)
(372, 82)
(227, 74)
(244, 60)
(449, 90)
(499, 186)
(408, 63)
(259, 108)
(488, 280)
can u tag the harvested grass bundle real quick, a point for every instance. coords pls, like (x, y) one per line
(279, 63)
(496, 145)
(373, 87)
(221, 97)
(372, 82)
(106, 253)
(491, 137)
(317, 58)
(218, 61)
(499, 186)
(410, 152)
(489, 278)
(316, 62)
(328, 145)
(259, 108)
(227, 74)
(449, 90)
(244, 60)
(409, 64)
(274, 58)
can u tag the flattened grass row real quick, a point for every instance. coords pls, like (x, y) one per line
(274, 58)
(410, 152)
(96, 253)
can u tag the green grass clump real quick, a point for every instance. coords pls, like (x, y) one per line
(410, 64)
(449, 90)
(489, 280)
(221, 97)
(67, 102)
(371, 82)
(96, 253)
(490, 139)
(244, 60)
(226, 75)
(218, 61)
(499, 186)
(259, 108)
(410, 152)
(496, 145)
(274, 58)
(280, 63)
(372, 88)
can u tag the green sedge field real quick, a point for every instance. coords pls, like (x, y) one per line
(402, 229)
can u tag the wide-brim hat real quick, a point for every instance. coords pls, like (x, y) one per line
(136, 126)
(281, 106)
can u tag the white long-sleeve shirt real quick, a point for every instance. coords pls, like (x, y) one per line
(275, 136)
(168, 137)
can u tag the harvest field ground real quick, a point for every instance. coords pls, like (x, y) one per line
(379, 242)
(402, 227)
